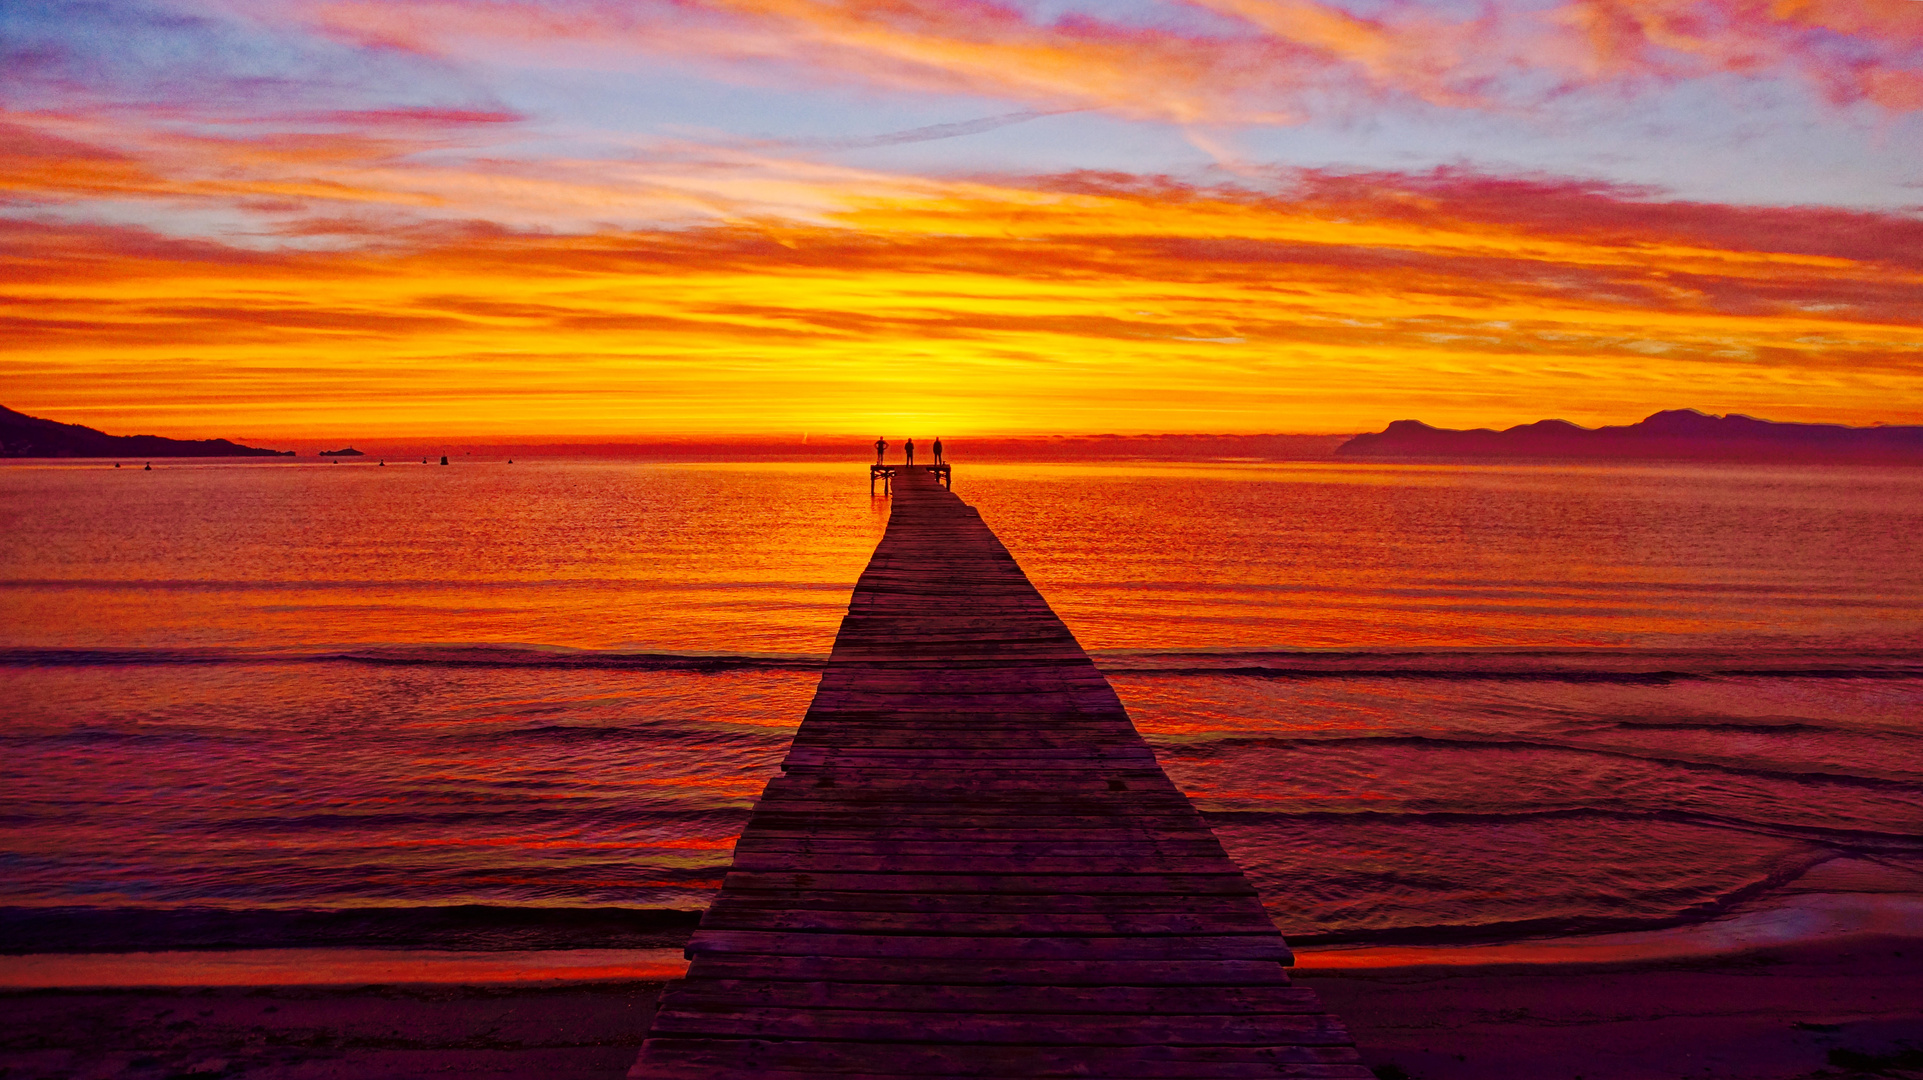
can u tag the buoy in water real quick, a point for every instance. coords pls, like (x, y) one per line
(443, 459)
(149, 468)
(116, 464)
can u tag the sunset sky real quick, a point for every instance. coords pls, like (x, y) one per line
(278, 219)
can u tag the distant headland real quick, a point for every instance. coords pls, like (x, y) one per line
(23, 436)
(1669, 435)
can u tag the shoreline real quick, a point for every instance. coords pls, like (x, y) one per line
(1839, 1007)
(1823, 979)
(1835, 1007)
(332, 967)
(1847, 1005)
(1822, 906)
(1791, 918)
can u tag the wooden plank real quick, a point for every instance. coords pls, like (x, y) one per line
(1100, 1000)
(972, 865)
(938, 972)
(971, 923)
(987, 752)
(755, 1057)
(772, 841)
(969, 864)
(1223, 884)
(1106, 830)
(1186, 974)
(1003, 814)
(992, 1029)
(1012, 908)
(1252, 946)
(707, 1070)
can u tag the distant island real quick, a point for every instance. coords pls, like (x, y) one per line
(23, 436)
(346, 451)
(1668, 435)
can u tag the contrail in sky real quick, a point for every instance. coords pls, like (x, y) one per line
(933, 131)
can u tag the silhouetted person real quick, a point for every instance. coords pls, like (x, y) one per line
(937, 449)
(909, 449)
(881, 448)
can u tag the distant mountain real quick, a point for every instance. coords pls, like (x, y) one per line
(1673, 434)
(29, 436)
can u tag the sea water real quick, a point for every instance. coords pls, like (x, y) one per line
(494, 705)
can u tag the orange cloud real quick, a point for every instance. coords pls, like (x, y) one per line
(372, 185)
(1069, 303)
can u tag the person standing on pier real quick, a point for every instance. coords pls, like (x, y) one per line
(937, 449)
(909, 449)
(881, 448)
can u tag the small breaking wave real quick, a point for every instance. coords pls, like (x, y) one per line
(1651, 756)
(1506, 930)
(1565, 665)
(440, 656)
(1858, 841)
(465, 927)
(1601, 665)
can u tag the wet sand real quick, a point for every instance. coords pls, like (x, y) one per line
(1837, 1008)
(564, 1032)
(1850, 1007)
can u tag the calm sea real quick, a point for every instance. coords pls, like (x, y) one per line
(484, 703)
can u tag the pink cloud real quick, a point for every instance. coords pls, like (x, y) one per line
(1851, 50)
(1270, 61)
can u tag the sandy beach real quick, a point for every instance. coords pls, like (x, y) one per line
(559, 1032)
(1837, 1007)
(1848, 1007)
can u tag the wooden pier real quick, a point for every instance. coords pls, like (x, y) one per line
(887, 473)
(972, 865)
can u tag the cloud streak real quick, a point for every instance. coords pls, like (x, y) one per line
(927, 132)
(1249, 62)
(1318, 301)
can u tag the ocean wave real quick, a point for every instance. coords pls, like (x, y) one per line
(1749, 725)
(1636, 678)
(485, 928)
(1602, 665)
(443, 656)
(418, 585)
(1855, 841)
(468, 927)
(1556, 665)
(1571, 925)
(1209, 747)
(659, 813)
